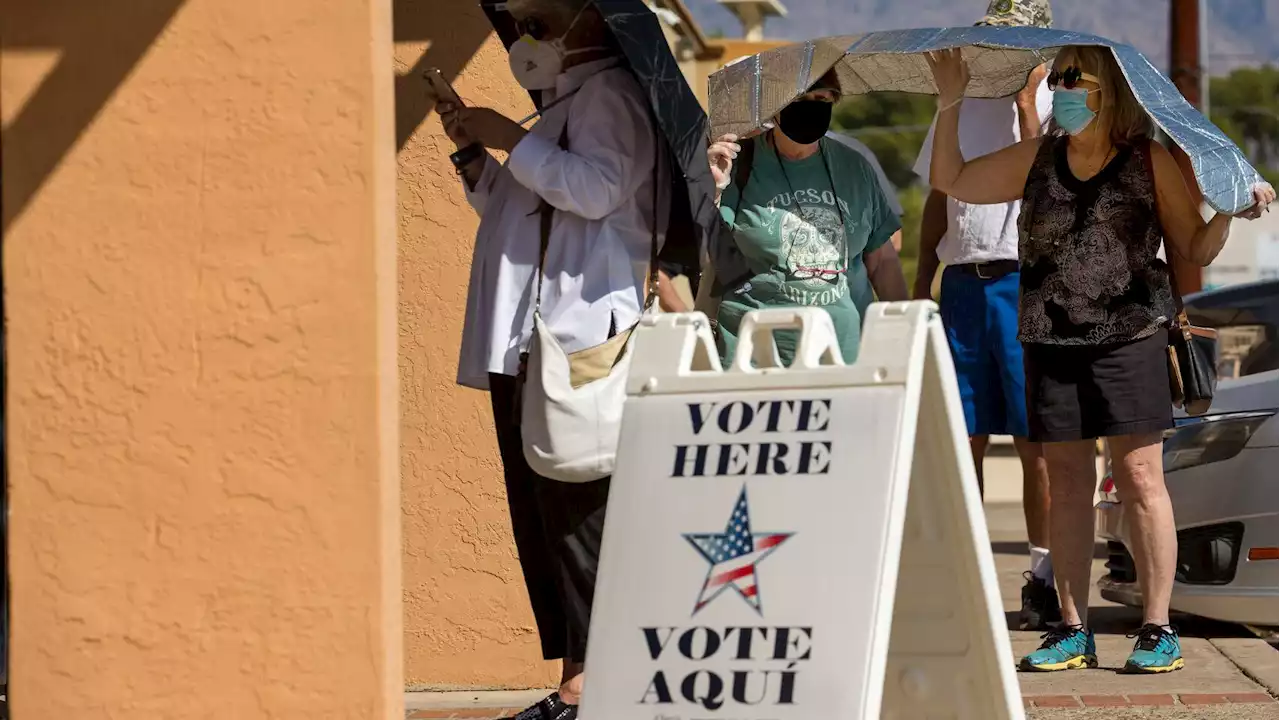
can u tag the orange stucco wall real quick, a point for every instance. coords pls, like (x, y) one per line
(200, 289)
(467, 617)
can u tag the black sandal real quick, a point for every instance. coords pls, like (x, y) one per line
(550, 707)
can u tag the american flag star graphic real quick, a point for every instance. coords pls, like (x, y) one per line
(734, 555)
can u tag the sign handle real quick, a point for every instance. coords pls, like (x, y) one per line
(758, 349)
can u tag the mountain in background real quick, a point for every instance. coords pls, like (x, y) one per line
(1240, 32)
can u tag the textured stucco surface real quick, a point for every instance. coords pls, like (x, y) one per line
(202, 381)
(467, 617)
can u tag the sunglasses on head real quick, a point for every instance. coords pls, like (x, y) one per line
(533, 27)
(1070, 77)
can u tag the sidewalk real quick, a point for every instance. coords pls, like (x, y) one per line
(471, 705)
(1230, 673)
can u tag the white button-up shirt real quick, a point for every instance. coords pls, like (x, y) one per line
(982, 233)
(597, 262)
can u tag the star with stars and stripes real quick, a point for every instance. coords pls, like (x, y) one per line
(734, 555)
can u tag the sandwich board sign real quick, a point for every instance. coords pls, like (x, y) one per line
(796, 543)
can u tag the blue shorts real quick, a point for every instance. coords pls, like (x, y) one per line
(981, 320)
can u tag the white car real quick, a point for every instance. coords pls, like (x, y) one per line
(1221, 471)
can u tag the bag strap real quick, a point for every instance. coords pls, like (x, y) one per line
(651, 292)
(547, 211)
(1180, 312)
(742, 171)
(741, 176)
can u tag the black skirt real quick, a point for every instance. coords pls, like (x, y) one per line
(558, 527)
(1084, 392)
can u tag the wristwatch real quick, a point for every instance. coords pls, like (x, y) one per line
(466, 156)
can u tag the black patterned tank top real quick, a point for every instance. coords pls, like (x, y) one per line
(1090, 275)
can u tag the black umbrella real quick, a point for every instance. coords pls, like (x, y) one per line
(680, 118)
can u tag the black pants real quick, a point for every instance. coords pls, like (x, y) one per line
(558, 527)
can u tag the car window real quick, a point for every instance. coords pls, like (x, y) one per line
(1246, 350)
(1245, 318)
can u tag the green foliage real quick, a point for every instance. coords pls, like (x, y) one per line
(893, 125)
(912, 199)
(1244, 105)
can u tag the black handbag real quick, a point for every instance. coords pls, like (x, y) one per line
(1193, 350)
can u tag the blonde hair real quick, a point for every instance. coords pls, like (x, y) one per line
(1125, 118)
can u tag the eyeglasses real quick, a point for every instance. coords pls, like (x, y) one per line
(533, 27)
(1070, 77)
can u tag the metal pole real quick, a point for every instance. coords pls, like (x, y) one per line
(1204, 58)
(1186, 73)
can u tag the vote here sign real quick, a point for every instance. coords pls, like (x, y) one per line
(754, 532)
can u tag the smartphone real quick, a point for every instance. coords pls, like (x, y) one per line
(441, 87)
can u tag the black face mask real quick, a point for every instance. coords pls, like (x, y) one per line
(805, 121)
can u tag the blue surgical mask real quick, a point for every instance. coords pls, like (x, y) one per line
(1071, 109)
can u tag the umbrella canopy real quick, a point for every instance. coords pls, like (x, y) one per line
(750, 92)
(679, 116)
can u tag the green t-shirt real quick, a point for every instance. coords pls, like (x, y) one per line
(804, 240)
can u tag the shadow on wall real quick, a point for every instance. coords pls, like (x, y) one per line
(449, 47)
(96, 54)
(97, 43)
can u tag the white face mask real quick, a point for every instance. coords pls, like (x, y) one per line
(537, 63)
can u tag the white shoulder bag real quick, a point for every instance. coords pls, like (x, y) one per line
(571, 403)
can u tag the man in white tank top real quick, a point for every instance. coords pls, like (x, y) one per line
(978, 245)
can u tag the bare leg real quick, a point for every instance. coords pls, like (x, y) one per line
(1137, 466)
(978, 446)
(1072, 483)
(571, 683)
(1035, 491)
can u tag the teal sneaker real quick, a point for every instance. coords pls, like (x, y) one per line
(1064, 648)
(1156, 651)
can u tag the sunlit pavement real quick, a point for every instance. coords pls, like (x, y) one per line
(1230, 673)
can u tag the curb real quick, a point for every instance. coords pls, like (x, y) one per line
(1256, 660)
(1188, 699)
(472, 714)
(1030, 701)
(471, 705)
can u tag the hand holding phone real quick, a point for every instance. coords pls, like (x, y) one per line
(441, 89)
(447, 104)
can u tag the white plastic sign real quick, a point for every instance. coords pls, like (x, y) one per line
(803, 542)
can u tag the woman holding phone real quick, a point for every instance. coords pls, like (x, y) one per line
(569, 223)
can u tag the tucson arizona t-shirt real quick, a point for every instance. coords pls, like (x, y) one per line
(804, 239)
